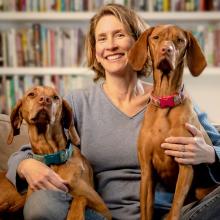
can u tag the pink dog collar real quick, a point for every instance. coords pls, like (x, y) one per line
(168, 101)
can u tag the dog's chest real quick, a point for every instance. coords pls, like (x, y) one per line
(165, 167)
(154, 133)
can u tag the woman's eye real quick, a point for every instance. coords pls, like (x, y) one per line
(119, 35)
(101, 39)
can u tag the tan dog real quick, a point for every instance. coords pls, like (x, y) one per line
(10, 200)
(47, 115)
(168, 111)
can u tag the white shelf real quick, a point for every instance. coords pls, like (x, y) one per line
(85, 16)
(181, 16)
(45, 16)
(73, 71)
(45, 71)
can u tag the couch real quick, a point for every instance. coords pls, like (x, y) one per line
(5, 151)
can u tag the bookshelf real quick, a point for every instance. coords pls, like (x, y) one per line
(213, 16)
(79, 17)
(151, 17)
(46, 71)
(73, 70)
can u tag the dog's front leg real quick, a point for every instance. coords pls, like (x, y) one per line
(77, 209)
(146, 189)
(183, 185)
(91, 198)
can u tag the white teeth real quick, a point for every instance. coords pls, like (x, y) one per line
(113, 57)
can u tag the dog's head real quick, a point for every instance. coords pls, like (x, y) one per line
(167, 45)
(42, 106)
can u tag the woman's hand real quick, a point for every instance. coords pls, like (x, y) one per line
(189, 150)
(40, 176)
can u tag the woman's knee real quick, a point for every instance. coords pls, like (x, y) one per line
(206, 209)
(47, 205)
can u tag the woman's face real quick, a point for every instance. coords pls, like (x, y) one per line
(112, 45)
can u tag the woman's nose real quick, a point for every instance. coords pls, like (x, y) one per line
(111, 44)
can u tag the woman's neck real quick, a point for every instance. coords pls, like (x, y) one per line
(123, 89)
(129, 96)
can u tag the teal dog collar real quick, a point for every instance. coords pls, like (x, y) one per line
(56, 158)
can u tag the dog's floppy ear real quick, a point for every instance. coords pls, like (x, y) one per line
(16, 121)
(195, 58)
(137, 56)
(67, 117)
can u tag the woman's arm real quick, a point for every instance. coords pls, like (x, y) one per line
(22, 169)
(13, 163)
(194, 150)
(215, 138)
(210, 129)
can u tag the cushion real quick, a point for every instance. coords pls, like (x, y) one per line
(19, 140)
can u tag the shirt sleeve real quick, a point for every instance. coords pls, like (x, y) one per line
(13, 162)
(214, 169)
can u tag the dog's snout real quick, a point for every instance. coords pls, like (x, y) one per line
(167, 49)
(45, 100)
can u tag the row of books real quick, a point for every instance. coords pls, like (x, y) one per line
(41, 46)
(12, 88)
(185, 5)
(209, 40)
(51, 5)
(91, 5)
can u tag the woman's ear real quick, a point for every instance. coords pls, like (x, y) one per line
(137, 56)
(195, 58)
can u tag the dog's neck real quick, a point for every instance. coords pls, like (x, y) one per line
(48, 141)
(168, 89)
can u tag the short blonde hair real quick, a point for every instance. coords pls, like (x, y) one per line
(132, 23)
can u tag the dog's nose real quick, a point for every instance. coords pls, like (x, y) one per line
(45, 100)
(167, 49)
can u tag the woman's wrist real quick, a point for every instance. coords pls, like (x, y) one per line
(21, 167)
(212, 156)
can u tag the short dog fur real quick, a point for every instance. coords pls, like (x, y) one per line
(46, 115)
(167, 46)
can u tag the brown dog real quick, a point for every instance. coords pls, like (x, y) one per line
(168, 111)
(47, 115)
(11, 202)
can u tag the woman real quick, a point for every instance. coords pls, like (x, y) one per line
(108, 117)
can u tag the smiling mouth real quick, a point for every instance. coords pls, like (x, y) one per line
(165, 65)
(114, 57)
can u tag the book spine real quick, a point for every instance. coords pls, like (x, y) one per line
(37, 44)
(209, 45)
(1, 50)
(217, 46)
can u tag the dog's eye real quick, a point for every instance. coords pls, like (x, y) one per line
(31, 94)
(180, 40)
(156, 37)
(55, 97)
